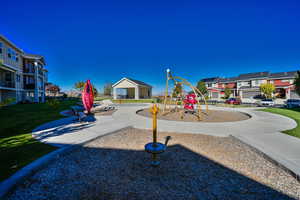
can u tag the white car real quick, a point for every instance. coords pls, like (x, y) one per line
(267, 102)
(292, 103)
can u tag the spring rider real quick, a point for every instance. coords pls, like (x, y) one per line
(189, 103)
(155, 147)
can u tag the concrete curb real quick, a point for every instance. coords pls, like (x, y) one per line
(269, 157)
(8, 184)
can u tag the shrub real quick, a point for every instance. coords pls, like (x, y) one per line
(7, 101)
(227, 93)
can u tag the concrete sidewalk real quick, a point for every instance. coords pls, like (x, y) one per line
(66, 131)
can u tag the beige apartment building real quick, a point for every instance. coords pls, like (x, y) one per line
(22, 75)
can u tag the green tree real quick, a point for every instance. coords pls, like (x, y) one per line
(107, 90)
(227, 92)
(177, 90)
(95, 91)
(79, 86)
(267, 89)
(202, 87)
(297, 83)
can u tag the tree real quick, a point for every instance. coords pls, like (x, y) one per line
(107, 90)
(267, 89)
(297, 83)
(95, 91)
(177, 90)
(52, 89)
(227, 92)
(79, 86)
(202, 87)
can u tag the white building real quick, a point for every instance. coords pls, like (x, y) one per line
(127, 88)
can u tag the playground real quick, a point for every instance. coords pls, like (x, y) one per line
(183, 150)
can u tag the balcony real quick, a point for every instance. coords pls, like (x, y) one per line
(28, 70)
(7, 84)
(30, 86)
(41, 73)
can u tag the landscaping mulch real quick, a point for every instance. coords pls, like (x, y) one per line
(211, 116)
(194, 166)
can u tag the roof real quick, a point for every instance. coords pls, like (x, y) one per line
(25, 55)
(212, 79)
(291, 74)
(11, 43)
(228, 80)
(34, 57)
(136, 82)
(139, 82)
(253, 75)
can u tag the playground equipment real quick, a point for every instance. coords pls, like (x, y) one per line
(155, 147)
(88, 96)
(189, 100)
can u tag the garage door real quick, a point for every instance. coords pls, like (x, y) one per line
(249, 94)
(294, 95)
(214, 95)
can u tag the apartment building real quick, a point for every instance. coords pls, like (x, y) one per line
(247, 86)
(22, 75)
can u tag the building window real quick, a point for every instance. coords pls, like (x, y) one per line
(9, 52)
(12, 55)
(18, 78)
(8, 76)
(1, 46)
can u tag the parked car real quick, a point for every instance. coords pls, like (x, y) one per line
(293, 103)
(234, 101)
(267, 102)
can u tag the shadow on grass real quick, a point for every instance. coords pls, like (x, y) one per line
(106, 173)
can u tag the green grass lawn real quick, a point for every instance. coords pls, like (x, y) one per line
(293, 113)
(17, 147)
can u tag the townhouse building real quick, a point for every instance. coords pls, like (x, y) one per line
(22, 75)
(247, 86)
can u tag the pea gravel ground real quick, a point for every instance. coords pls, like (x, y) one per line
(212, 116)
(193, 167)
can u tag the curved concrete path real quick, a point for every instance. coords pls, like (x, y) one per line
(260, 122)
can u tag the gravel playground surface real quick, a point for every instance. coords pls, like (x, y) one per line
(212, 116)
(193, 167)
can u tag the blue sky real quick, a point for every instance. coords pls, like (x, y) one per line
(107, 40)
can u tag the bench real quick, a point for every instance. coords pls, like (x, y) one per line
(78, 112)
